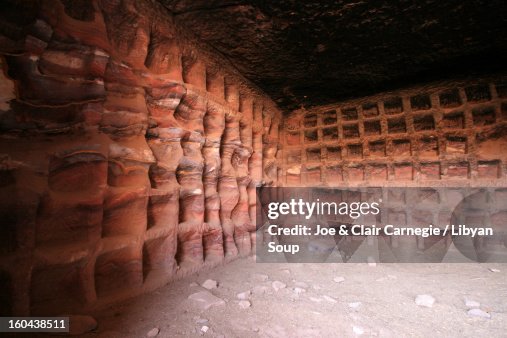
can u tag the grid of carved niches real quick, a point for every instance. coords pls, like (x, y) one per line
(425, 205)
(419, 137)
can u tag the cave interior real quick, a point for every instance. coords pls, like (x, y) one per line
(134, 133)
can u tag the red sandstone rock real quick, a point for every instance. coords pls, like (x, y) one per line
(118, 270)
(75, 62)
(36, 88)
(129, 162)
(161, 172)
(158, 255)
(65, 220)
(125, 212)
(190, 112)
(189, 175)
(214, 124)
(78, 170)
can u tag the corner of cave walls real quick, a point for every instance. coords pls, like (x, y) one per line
(128, 156)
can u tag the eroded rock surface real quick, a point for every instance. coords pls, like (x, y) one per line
(125, 151)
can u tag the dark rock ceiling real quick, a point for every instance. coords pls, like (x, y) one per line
(305, 53)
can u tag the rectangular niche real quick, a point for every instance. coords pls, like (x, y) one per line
(355, 150)
(403, 171)
(427, 196)
(372, 127)
(401, 148)
(428, 146)
(420, 102)
(118, 270)
(334, 174)
(292, 123)
(350, 131)
(450, 98)
(329, 134)
(500, 197)
(456, 144)
(349, 114)
(454, 120)
(334, 153)
(158, 255)
(313, 155)
(162, 206)
(478, 93)
(355, 173)
(393, 106)
(293, 138)
(294, 176)
(377, 148)
(395, 126)
(59, 285)
(504, 110)
(458, 170)
(424, 122)
(483, 116)
(293, 180)
(378, 172)
(310, 120)
(370, 110)
(396, 217)
(430, 171)
(313, 174)
(65, 220)
(488, 169)
(422, 217)
(311, 136)
(125, 212)
(396, 196)
(294, 157)
(329, 117)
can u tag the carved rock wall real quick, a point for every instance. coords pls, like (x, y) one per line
(129, 154)
(449, 133)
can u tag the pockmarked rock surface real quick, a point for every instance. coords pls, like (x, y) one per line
(133, 149)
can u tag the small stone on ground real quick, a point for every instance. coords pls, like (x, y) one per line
(299, 290)
(425, 300)
(209, 284)
(358, 330)
(301, 285)
(277, 285)
(330, 299)
(205, 300)
(244, 304)
(478, 313)
(260, 277)
(339, 279)
(472, 303)
(244, 295)
(153, 332)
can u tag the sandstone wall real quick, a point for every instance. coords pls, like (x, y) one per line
(450, 133)
(129, 154)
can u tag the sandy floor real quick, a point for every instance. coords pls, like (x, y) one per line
(372, 300)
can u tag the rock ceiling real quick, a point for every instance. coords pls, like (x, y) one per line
(305, 53)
